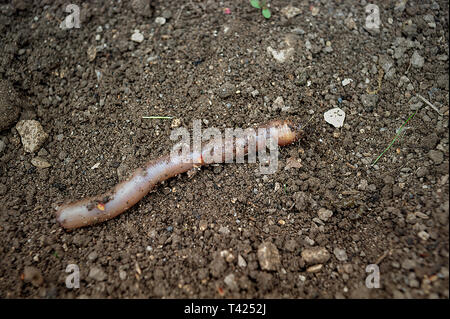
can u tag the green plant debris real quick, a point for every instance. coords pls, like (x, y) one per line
(399, 131)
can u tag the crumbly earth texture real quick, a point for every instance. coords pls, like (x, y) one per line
(207, 234)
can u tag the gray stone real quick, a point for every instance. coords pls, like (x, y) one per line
(399, 52)
(230, 281)
(93, 256)
(141, 7)
(340, 254)
(226, 90)
(369, 101)
(32, 135)
(410, 29)
(2, 146)
(442, 81)
(324, 214)
(278, 104)
(386, 63)
(224, 230)
(408, 264)
(97, 274)
(436, 156)
(422, 172)
(417, 60)
(268, 256)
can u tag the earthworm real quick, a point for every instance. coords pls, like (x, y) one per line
(124, 195)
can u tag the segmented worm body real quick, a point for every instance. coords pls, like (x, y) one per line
(124, 195)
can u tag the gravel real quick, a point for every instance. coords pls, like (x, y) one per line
(436, 156)
(97, 274)
(340, 254)
(241, 262)
(417, 60)
(268, 256)
(316, 255)
(32, 135)
(324, 214)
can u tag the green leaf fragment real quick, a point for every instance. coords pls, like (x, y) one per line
(255, 4)
(266, 13)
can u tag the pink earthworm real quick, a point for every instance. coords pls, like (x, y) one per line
(124, 195)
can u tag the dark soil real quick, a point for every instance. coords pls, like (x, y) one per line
(170, 245)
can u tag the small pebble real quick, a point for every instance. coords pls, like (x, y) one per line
(160, 20)
(340, 254)
(335, 117)
(436, 156)
(230, 281)
(122, 274)
(316, 255)
(202, 225)
(224, 230)
(423, 235)
(137, 37)
(324, 214)
(40, 162)
(241, 262)
(417, 60)
(408, 264)
(315, 268)
(175, 123)
(97, 274)
(290, 11)
(268, 256)
(281, 55)
(92, 256)
(346, 82)
(31, 134)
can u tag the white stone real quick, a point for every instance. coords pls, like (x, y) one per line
(137, 37)
(282, 55)
(160, 20)
(346, 82)
(290, 11)
(423, 235)
(241, 262)
(335, 117)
